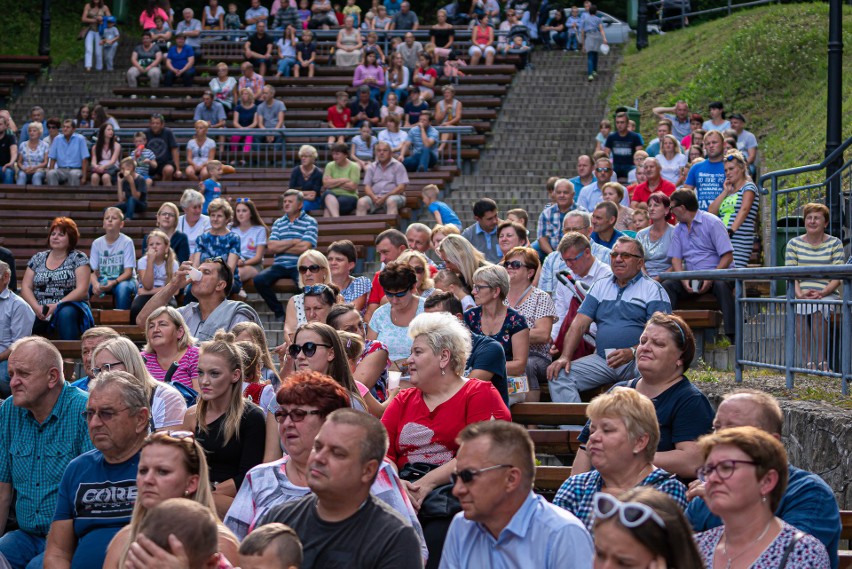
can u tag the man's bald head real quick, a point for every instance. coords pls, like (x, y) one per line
(750, 408)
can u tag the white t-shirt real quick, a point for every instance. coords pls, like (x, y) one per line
(168, 407)
(159, 272)
(192, 233)
(250, 239)
(670, 169)
(112, 258)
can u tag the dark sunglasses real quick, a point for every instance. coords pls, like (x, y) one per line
(467, 475)
(215, 260)
(312, 268)
(399, 294)
(418, 270)
(616, 255)
(513, 264)
(243, 200)
(296, 415)
(315, 290)
(309, 349)
(603, 169)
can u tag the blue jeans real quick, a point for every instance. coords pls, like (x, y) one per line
(573, 42)
(401, 95)
(123, 293)
(265, 281)
(8, 175)
(36, 179)
(5, 390)
(68, 321)
(592, 62)
(186, 78)
(23, 550)
(285, 64)
(587, 373)
(420, 161)
(131, 206)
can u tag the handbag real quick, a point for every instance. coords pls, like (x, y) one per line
(440, 502)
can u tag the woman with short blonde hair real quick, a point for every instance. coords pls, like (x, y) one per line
(199, 150)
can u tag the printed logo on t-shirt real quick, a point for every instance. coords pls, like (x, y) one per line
(111, 263)
(420, 437)
(708, 186)
(105, 499)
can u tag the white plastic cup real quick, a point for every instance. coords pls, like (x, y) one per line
(194, 274)
(608, 351)
(393, 379)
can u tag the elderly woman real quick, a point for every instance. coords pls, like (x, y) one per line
(537, 308)
(622, 443)
(665, 352)
(442, 403)
(313, 270)
(737, 206)
(192, 223)
(32, 156)
(171, 465)
(120, 354)
(642, 528)
(170, 345)
(199, 150)
(342, 256)
(815, 247)
(389, 324)
(671, 158)
(745, 475)
(371, 366)
(304, 401)
(56, 284)
(461, 257)
(349, 44)
(491, 317)
(224, 87)
(308, 178)
(656, 239)
(614, 192)
(167, 222)
(420, 264)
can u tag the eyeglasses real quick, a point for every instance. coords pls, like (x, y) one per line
(399, 294)
(418, 270)
(577, 258)
(513, 264)
(312, 268)
(52, 127)
(105, 415)
(105, 367)
(167, 214)
(243, 200)
(309, 348)
(296, 415)
(467, 475)
(314, 290)
(479, 287)
(618, 254)
(630, 514)
(603, 169)
(724, 469)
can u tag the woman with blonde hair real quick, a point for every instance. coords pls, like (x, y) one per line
(737, 206)
(169, 343)
(420, 264)
(671, 158)
(224, 87)
(230, 430)
(313, 270)
(171, 465)
(461, 257)
(167, 222)
(120, 354)
(440, 232)
(199, 150)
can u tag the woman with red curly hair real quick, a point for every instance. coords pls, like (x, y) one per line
(56, 284)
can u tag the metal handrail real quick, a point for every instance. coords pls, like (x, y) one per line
(727, 8)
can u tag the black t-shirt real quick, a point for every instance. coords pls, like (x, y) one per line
(141, 188)
(487, 354)
(162, 145)
(375, 537)
(623, 148)
(442, 36)
(242, 453)
(6, 144)
(258, 45)
(372, 110)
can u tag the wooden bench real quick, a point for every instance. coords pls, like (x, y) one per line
(291, 91)
(845, 555)
(705, 325)
(549, 413)
(7, 58)
(548, 479)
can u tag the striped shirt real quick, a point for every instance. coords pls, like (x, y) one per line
(304, 228)
(800, 253)
(33, 455)
(743, 238)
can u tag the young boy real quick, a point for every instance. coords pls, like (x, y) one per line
(339, 116)
(144, 157)
(306, 54)
(273, 546)
(450, 282)
(113, 260)
(352, 9)
(132, 189)
(211, 188)
(413, 107)
(110, 42)
(518, 215)
(443, 213)
(232, 21)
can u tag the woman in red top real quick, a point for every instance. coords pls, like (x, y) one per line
(483, 42)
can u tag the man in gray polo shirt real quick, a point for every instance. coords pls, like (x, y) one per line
(384, 183)
(620, 306)
(190, 28)
(271, 111)
(210, 110)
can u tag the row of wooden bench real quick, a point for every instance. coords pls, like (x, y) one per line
(16, 70)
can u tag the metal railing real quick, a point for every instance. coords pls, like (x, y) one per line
(233, 146)
(729, 7)
(786, 333)
(786, 202)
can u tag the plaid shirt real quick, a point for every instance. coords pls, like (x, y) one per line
(33, 456)
(550, 224)
(577, 493)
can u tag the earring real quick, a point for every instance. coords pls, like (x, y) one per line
(186, 493)
(443, 371)
(763, 499)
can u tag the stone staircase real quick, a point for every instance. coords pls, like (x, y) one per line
(66, 87)
(550, 116)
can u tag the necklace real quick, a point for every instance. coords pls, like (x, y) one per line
(725, 546)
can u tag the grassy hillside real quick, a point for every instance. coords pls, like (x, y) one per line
(768, 63)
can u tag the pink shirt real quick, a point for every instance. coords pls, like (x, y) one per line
(184, 374)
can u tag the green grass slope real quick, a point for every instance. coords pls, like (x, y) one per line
(768, 63)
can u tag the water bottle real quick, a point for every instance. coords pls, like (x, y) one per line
(102, 280)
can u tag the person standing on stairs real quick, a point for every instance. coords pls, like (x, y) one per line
(94, 15)
(592, 37)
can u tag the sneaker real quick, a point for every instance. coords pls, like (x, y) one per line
(591, 77)
(133, 96)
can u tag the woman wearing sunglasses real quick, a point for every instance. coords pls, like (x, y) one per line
(536, 307)
(120, 354)
(389, 324)
(425, 286)
(423, 423)
(230, 429)
(371, 367)
(313, 270)
(737, 206)
(642, 529)
(622, 443)
(171, 465)
(745, 475)
(341, 262)
(305, 399)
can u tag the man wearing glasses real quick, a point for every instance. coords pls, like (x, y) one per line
(575, 221)
(620, 306)
(41, 431)
(98, 488)
(592, 195)
(502, 522)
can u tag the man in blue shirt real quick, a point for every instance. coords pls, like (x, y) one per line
(808, 502)
(483, 234)
(424, 148)
(41, 431)
(292, 234)
(68, 158)
(180, 63)
(604, 218)
(502, 522)
(620, 306)
(98, 488)
(708, 178)
(585, 174)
